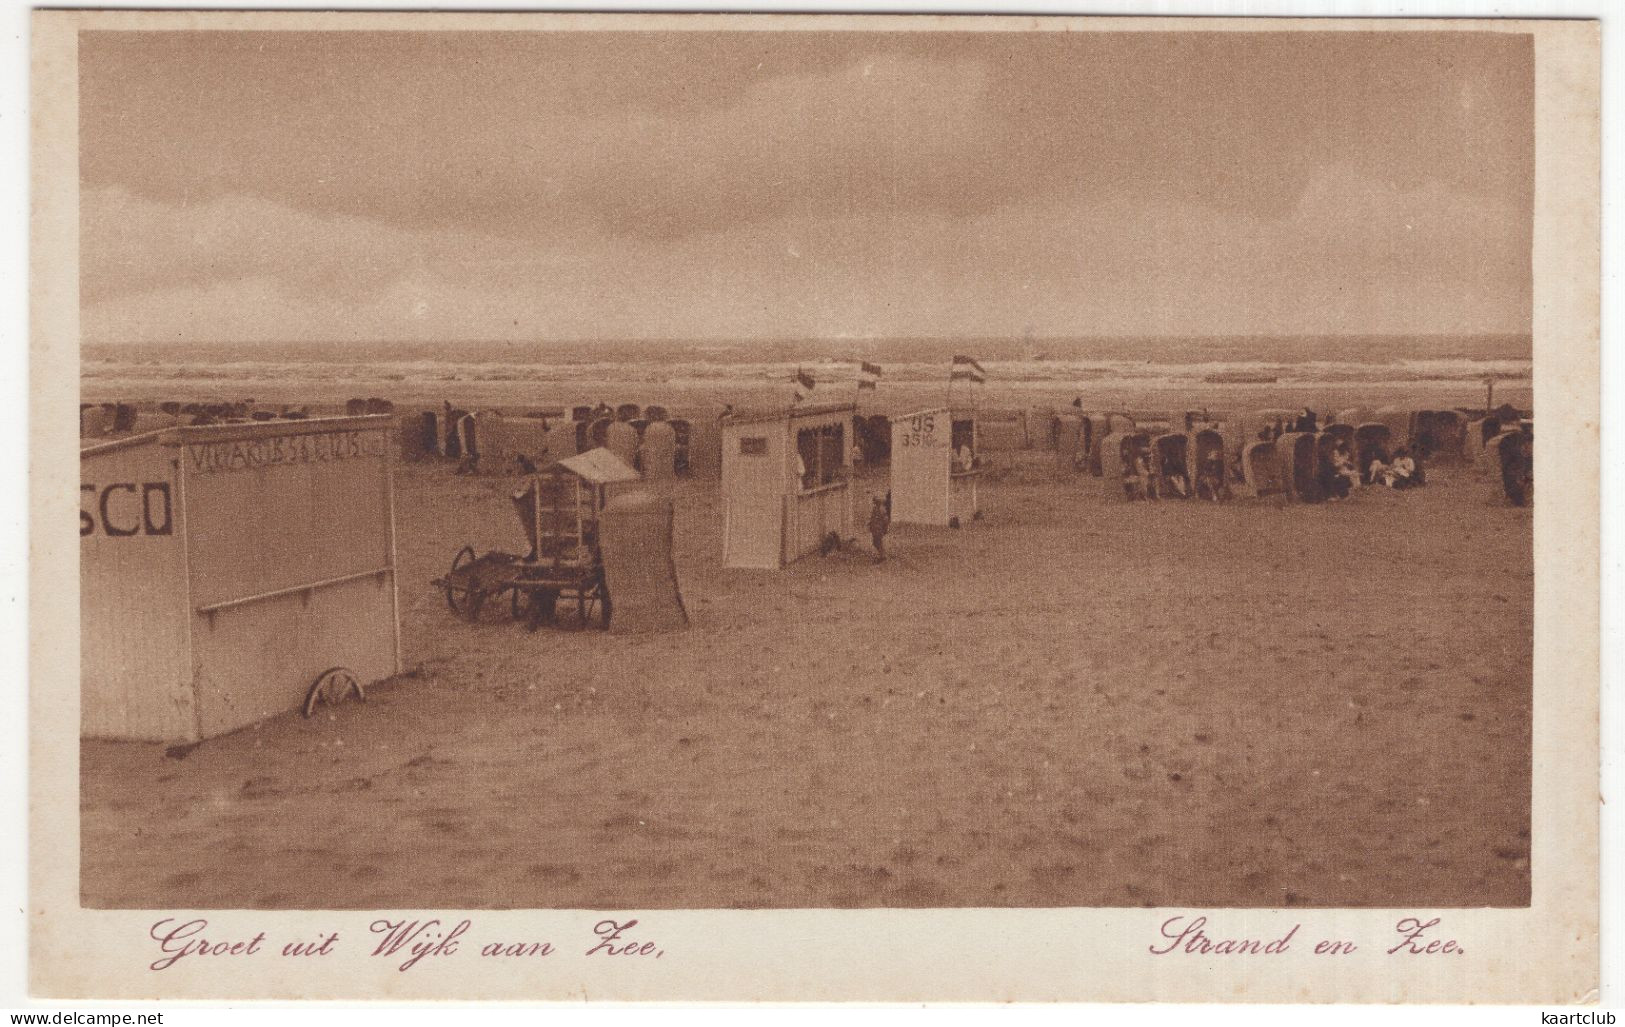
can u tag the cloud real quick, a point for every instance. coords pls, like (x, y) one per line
(1352, 254)
(883, 129)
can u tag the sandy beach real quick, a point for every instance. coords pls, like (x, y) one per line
(385, 329)
(1075, 702)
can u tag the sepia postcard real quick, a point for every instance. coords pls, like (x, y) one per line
(820, 507)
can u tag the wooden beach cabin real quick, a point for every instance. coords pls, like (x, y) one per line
(1095, 429)
(1067, 442)
(1170, 459)
(417, 434)
(1260, 469)
(1440, 435)
(935, 465)
(700, 444)
(504, 439)
(1372, 440)
(1479, 433)
(1514, 455)
(1340, 432)
(785, 484)
(1207, 447)
(1117, 453)
(1400, 422)
(224, 568)
(1297, 452)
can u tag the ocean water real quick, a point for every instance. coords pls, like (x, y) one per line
(1042, 364)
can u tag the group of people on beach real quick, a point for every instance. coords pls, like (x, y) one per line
(1339, 468)
(1143, 481)
(1339, 472)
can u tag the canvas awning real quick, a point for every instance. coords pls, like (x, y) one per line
(599, 467)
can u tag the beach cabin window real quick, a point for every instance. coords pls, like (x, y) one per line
(753, 445)
(822, 452)
(807, 457)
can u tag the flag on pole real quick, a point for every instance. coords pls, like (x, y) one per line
(966, 369)
(804, 385)
(868, 375)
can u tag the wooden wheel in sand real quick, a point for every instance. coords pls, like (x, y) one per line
(464, 595)
(332, 687)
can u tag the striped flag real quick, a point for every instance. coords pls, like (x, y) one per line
(868, 375)
(804, 385)
(966, 369)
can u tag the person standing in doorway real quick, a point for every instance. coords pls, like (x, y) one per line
(879, 524)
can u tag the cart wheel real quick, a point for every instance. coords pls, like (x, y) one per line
(332, 687)
(457, 596)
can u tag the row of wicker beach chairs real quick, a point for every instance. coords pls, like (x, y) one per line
(1298, 456)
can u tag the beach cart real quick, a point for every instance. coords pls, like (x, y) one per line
(559, 510)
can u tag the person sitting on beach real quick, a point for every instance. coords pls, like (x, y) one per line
(1343, 465)
(879, 523)
(1210, 478)
(1331, 479)
(1136, 476)
(1146, 476)
(1376, 470)
(1402, 472)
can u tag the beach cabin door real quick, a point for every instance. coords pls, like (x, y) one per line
(753, 508)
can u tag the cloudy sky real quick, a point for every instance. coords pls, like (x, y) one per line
(438, 186)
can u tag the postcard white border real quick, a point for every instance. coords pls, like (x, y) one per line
(1545, 953)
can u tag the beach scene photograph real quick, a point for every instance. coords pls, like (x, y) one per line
(754, 465)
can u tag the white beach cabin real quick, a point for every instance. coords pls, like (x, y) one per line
(223, 569)
(785, 483)
(930, 480)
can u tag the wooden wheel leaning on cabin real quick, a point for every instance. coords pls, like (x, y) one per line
(333, 686)
(464, 594)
